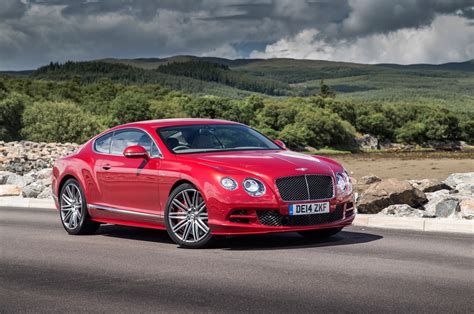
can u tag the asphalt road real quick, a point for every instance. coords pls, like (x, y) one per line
(122, 269)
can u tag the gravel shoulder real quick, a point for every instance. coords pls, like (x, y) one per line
(405, 168)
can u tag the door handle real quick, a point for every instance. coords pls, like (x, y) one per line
(106, 167)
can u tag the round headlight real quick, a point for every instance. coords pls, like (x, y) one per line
(229, 183)
(254, 187)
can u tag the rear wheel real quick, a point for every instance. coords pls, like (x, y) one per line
(186, 218)
(321, 234)
(73, 210)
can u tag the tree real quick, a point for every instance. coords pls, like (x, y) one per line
(58, 122)
(376, 124)
(296, 135)
(130, 107)
(412, 132)
(3, 90)
(11, 110)
(327, 127)
(325, 91)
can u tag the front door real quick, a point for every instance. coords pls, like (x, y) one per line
(129, 183)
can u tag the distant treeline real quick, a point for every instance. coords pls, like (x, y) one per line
(73, 111)
(219, 73)
(189, 77)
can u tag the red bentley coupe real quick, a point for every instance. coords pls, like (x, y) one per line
(200, 178)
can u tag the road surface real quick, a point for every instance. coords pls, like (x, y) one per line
(125, 269)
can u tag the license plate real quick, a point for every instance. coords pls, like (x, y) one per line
(308, 208)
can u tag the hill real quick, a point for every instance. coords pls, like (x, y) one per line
(449, 85)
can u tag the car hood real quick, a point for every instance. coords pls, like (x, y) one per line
(266, 163)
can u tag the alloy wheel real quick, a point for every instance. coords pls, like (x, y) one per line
(71, 206)
(188, 217)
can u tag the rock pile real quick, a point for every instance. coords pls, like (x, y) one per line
(370, 142)
(36, 183)
(451, 198)
(25, 167)
(24, 156)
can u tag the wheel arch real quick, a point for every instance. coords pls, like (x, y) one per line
(178, 183)
(64, 180)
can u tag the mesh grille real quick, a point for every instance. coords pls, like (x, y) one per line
(305, 187)
(274, 218)
(320, 187)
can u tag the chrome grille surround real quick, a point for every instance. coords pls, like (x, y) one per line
(306, 187)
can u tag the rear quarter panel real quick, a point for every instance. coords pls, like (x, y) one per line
(81, 167)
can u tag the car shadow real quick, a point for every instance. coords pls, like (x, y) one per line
(293, 241)
(276, 241)
(134, 233)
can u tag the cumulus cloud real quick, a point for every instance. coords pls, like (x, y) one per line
(448, 38)
(35, 32)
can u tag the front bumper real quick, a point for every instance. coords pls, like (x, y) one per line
(235, 219)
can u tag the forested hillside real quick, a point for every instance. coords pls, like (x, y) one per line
(449, 85)
(73, 110)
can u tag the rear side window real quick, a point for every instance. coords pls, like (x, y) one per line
(102, 144)
(126, 138)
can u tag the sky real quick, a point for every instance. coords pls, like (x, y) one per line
(36, 32)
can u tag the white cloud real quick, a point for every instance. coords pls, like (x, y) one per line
(224, 51)
(448, 38)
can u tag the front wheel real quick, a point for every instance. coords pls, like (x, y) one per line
(320, 234)
(186, 218)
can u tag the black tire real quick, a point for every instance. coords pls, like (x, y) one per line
(320, 234)
(83, 224)
(203, 239)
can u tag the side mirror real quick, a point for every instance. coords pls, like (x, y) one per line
(280, 143)
(136, 152)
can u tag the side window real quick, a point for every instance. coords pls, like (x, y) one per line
(155, 152)
(126, 138)
(102, 144)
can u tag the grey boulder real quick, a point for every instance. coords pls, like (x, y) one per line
(21, 181)
(456, 179)
(429, 185)
(402, 210)
(389, 192)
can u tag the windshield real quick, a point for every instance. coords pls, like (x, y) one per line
(186, 139)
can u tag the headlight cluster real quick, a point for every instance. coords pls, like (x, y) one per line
(343, 183)
(252, 186)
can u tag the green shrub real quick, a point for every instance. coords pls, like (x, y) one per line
(295, 135)
(411, 133)
(170, 107)
(467, 130)
(327, 127)
(376, 124)
(130, 107)
(11, 110)
(58, 122)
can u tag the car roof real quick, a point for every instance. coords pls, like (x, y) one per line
(172, 122)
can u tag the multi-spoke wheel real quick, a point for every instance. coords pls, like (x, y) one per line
(73, 210)
(186, 217)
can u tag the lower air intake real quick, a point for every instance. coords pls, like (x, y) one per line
(275, 219)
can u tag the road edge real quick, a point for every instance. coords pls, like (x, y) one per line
(361, 220)
(415, 223)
